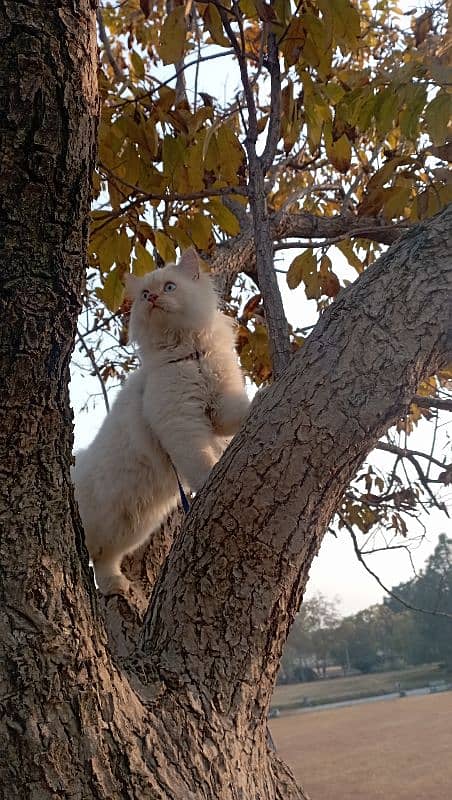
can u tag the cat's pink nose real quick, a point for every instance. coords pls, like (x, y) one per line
(152, 298)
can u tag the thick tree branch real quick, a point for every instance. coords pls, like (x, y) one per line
(253, 531)
(274, 123)
(238, 254)
(433, 402)
(275, 317)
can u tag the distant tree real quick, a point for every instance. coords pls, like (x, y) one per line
(309, 641)
(431, 592)
(355, 644)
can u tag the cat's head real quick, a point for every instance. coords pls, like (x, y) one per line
(177, 298)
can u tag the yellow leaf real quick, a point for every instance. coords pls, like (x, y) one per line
(437, 117)
(301, 267)
(167, 98)
(123, 248)
(116, 197)
(137, 64)
(143, 262)
(179, 235)
(328, 279)
(294, 39)
(231, 153)
(165, 247)
(346, 248)
(172, 36)
(106, 249)
(396, 199)
(214, 25)
(173, 152)
(112, 291)
(200, 229)
(224, 217)
(195, 166)
(340, 153)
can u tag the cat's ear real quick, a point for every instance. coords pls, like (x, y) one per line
(132, 285)
(189, 263)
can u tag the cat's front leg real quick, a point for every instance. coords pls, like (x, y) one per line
(192, 447)
(230, 412)
(194, 458)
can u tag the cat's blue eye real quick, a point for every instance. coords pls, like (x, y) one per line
(145, 294)
(169, 287)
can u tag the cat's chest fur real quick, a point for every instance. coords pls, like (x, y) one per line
(178, 377)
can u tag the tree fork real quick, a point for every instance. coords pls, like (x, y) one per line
(187, 719)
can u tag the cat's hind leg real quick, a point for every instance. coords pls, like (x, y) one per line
(109, 578)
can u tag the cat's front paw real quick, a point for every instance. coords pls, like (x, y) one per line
(114, 584)
(231, 414)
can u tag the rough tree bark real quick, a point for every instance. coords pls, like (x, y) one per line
(184, 714)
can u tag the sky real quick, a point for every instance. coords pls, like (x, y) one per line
(335, 571)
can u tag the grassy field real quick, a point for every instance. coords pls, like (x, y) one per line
(329, 691)
(391, 750)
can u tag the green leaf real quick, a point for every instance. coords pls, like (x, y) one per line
(414, 96)
(386, 106)
(437, 117)
(173, 36)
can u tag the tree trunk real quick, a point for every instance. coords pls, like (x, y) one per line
(181, 711)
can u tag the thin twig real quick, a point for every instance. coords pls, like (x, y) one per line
(90, 354)
(169, 197)
(411, 456)
(106, 43)
(403, 453)
(380, 582)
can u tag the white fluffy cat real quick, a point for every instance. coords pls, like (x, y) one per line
(172, 414)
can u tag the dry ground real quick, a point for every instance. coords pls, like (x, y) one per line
(389, 750)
